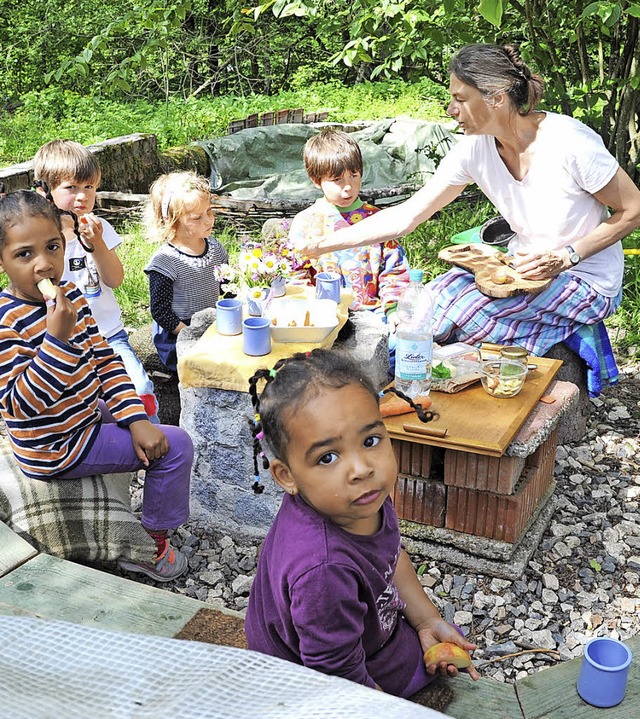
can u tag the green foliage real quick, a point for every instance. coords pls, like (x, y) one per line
(51, 113)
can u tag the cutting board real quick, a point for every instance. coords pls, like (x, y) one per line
(494, 277)
(473, 421)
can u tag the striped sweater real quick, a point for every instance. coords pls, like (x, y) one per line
(49, 389)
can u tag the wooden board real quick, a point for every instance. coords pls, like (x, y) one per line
(485, 261)
(484, 699)
(14, 550)
(552, 693)
(473, 421)
(54, 588)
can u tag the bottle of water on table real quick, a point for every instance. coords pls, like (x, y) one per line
(414, 344)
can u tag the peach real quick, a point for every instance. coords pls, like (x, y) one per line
(449, 653)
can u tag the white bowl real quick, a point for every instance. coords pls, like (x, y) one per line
(290, 315)
(301, 334)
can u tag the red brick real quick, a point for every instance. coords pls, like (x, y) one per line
(413, 458)
(479, 471)
(499, 516)
(420, 500)
(545, 451)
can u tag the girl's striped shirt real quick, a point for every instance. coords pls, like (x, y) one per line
(49, 390)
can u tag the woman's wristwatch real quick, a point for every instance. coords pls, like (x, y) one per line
(574, 257)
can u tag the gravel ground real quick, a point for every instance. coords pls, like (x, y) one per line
(582, 581)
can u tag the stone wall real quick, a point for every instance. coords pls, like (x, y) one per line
(129, 164)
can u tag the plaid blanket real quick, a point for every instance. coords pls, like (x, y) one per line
(84, 520)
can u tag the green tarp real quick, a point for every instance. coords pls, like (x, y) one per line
(266, 162)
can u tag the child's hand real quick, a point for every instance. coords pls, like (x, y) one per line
(149, 442)
(91, 229)
(435, 630)
(61, 316)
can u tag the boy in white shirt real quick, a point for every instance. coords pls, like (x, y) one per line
(68, 175)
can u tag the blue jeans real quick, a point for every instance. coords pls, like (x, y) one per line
(143, 385)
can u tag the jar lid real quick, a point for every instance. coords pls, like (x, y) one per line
(514, 352)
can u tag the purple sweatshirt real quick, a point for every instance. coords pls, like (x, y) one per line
(325, 598)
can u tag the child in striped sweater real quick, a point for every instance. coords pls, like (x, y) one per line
(68, 404)
(181, 272)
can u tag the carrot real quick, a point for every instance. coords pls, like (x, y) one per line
(392, 405)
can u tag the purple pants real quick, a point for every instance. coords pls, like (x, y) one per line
(165, 502)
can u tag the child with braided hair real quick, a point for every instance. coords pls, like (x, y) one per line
(334, 590)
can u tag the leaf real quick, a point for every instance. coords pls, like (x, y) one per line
(596, 566)
(421, 570)
(633, 10)
(491, 11)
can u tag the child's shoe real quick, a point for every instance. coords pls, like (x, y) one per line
(168, 566)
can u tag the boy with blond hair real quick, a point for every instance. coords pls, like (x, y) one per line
(68, 175)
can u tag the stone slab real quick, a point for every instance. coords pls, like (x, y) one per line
(473, 556)
(544, 419)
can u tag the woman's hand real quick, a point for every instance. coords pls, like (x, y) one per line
(541, 267)
(149, 442)
(435, 630)
(61, 316)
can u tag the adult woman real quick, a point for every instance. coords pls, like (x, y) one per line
(551, 178)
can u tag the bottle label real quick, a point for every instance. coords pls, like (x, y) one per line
(413, 358)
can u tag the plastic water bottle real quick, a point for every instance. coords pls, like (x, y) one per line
(414, 345)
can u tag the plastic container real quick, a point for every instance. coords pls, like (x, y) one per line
(455, 367)
(602, 681)
(503, 378)
(414, 340)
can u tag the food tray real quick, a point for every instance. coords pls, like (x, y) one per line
(301, 334)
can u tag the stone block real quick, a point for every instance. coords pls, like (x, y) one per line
(507, 560)
(574, 370)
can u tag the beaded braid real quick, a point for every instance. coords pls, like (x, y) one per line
(256, 424)
(423, 416)
(86, 246)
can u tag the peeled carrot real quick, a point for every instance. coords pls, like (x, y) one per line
(392, 405)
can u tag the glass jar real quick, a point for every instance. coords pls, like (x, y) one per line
(516, 354)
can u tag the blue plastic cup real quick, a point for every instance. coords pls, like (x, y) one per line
(229, 317)
(256, 336)
(328, 286)
(602, 681)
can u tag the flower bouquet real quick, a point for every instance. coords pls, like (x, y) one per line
(262, 268)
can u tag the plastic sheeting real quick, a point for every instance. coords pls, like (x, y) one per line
(266, 162)
(57, 669)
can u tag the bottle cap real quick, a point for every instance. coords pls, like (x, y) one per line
(416, 275)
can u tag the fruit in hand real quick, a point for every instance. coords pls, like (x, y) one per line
(47, 288)
(449, 653)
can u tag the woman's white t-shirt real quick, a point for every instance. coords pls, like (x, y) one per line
(553, 205)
